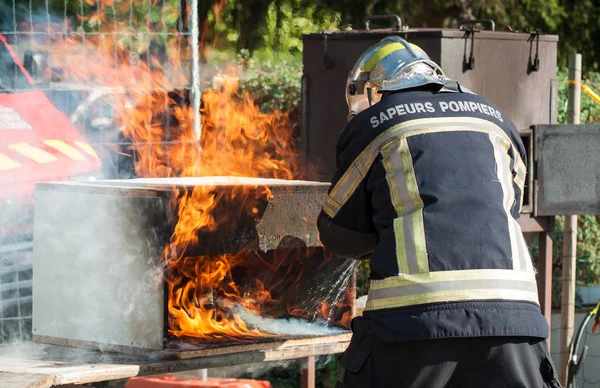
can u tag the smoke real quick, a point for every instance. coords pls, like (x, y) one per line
(94, 280)
(289, 326)
(96, 254)
(260, 371)
(18, 19)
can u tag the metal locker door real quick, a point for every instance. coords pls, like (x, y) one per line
(568, 169)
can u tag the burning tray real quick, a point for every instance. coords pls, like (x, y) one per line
(184, 264)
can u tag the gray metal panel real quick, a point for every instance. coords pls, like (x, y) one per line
(291, 210)
(93, 266)
(568, 169)
(500, 75)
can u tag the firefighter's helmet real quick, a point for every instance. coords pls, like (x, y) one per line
(389, 65)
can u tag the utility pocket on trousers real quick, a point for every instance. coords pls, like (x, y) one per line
(353, 366)
(354, 358)
(549, 372)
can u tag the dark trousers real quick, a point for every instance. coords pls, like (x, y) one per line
(494, 362)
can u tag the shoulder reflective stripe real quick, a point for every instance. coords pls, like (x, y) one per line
(445, 286)
(505, 179)
(330, 207)
(87, 148)
(33, 153)
(465, 128)
(350, 180)
(346, 186)
(7, 163)
(453, 296)
(66, 149)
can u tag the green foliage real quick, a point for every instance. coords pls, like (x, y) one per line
(590, 110)
(280, 23)
(141, 24)
(273, 81)
(285, 26)
(268, 24)
(362, 278)
(588, 255)
(288, 376)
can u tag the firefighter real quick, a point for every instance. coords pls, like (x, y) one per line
(428, 188)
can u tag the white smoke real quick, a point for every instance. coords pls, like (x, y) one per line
(286, 326)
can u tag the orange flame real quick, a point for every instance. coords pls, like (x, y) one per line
(237, 140)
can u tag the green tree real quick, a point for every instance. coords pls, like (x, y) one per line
(263, 22)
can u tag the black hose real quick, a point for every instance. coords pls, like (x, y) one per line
(575, 365)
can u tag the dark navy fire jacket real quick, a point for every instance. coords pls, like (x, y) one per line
(429, 187)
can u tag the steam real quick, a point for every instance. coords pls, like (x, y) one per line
(285, 326)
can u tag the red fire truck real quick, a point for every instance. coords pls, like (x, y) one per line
(37, 141)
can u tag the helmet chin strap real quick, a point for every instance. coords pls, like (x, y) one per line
(370, 96)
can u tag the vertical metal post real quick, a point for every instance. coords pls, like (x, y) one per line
(545, 274)
(196, 95)
(202, 374)
(195, 92)
(308, 373)
(567, 317)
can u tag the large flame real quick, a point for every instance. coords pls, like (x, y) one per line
(154, 113)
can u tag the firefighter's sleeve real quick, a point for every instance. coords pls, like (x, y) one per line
(348, 230)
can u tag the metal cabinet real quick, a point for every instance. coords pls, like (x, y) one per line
(516, 71)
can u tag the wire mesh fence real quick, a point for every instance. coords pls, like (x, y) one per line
(93, 63)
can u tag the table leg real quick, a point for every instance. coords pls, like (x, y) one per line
(308, 373)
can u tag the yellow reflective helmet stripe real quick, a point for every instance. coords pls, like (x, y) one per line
(383, 52)
(33, 153)
(7, 163)
(449, 286)
(65, 148)
(87, 148)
